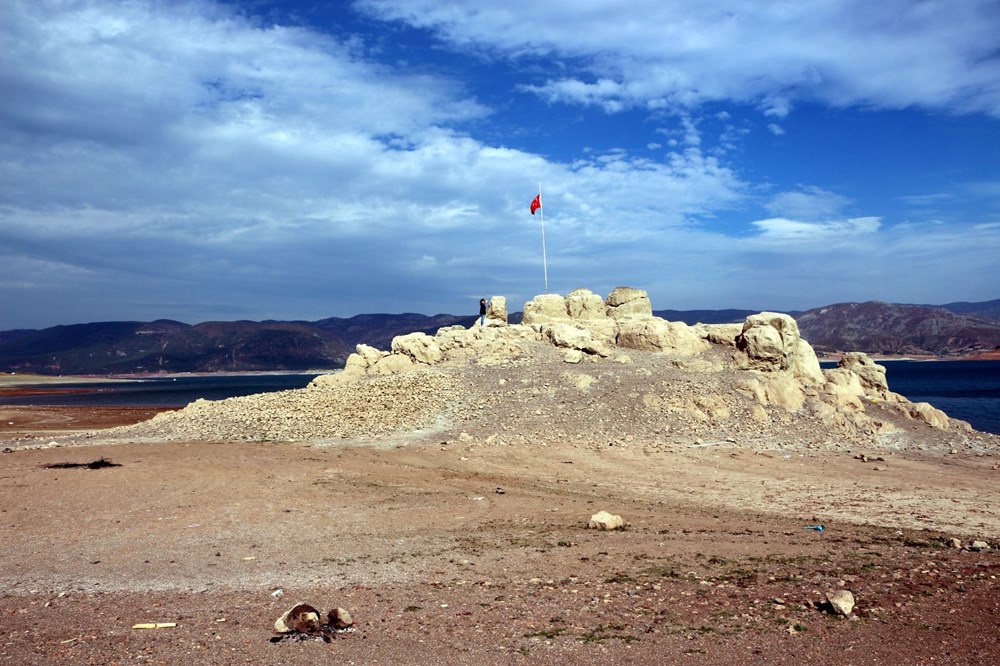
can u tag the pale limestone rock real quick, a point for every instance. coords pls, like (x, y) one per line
(655, 334)
(843, 390)
(573, 356)
(805, 365)
(624, 302)
(392, 364)
(571, 337)
(841, 601)
(785, 392)
(719, 334)
(369, 354)
(979, 546)
(753, 389)
(496, 313)
(544, 309)
(583, 304)
(602, 520)
(420, 347)
(871, 374)
(771, 341)
(714, 408)
(930, 414)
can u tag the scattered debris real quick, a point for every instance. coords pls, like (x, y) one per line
(500, 491)
(278, 593)
(602, 520)
(302, 622)
(155, 625)
(815, 528)
(100, 463)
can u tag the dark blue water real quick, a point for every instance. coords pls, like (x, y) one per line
(967, 390)
(159, 391)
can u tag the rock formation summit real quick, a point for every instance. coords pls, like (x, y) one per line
(588, 371)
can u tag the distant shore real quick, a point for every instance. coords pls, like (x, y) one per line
(10, 379)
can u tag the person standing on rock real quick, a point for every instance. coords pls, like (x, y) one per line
(482, 312)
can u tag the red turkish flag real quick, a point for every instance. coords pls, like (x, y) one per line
(536, 203)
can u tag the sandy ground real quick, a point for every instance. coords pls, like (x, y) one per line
(462, 553)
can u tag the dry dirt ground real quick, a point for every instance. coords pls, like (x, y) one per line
(451, 548)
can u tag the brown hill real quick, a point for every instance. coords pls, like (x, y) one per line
(888, 328)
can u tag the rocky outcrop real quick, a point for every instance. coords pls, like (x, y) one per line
(771, 341)
(783, 370)
(719, 381)
(496, 312)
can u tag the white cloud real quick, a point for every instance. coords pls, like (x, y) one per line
(807, 202)
(782, 229)
(674, 53)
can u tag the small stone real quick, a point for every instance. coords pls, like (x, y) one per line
(339, 618)
(301, 618)
(841, 601)
(979, 545)
(573, 356)
(602, 520)
(954, 542)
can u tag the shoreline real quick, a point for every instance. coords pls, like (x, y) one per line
(14, 380)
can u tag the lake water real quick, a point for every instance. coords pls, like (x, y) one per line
(967, 390)
(160, 391)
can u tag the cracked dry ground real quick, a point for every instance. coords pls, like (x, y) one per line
(436, 566)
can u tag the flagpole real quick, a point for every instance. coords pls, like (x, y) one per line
(545, 266)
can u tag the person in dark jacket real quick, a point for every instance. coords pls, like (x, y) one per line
(482, 312)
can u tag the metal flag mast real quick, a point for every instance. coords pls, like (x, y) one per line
(545, 266)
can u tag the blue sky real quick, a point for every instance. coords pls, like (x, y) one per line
(198, 160)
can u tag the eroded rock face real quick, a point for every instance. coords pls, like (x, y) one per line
(628, 302)
(420, 347)
(870, 374)
(584, 304)
(783, 371)
(544, 309)
(655, 334)
(771, 341)
(496, 312)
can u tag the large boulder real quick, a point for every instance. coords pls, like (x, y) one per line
(569, 336)
(771, 341)
(870, 374)
(626, 302)
(544, 309)
(584, 304)
(420, 347)
(496, 313)
(655, 334)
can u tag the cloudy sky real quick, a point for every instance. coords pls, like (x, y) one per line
(257, 159)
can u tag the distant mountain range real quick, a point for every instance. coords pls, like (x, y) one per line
(170, 346)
